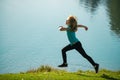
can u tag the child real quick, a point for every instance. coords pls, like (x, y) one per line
(71, 22)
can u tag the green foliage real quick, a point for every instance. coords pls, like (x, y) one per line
(49, 73)
(44, 68)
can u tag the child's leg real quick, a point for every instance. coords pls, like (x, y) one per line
(80, 49)
(64, 50)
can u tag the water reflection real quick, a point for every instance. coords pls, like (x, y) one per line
(112, 9)
(114, 14)
(90, 5)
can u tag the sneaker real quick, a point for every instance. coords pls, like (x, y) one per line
(96, 67)
(63, 65)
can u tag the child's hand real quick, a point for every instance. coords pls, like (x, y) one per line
(60, 27)
(86, 28)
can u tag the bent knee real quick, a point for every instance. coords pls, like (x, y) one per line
(63, 50)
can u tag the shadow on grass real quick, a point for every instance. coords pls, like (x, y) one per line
(105, 76)
(108, 77)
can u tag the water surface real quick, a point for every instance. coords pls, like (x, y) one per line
(29, 36)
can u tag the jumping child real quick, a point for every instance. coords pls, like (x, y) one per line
(71, 22)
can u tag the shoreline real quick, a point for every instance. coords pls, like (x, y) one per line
(64, 68)
(50, 73)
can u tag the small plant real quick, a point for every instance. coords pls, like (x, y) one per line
(43, 68)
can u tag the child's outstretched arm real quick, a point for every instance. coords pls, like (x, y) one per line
(61, 28)
(82, 26)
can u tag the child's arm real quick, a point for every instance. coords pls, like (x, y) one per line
(82, 26)
(61, 28)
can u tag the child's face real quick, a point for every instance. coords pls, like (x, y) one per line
(67, 22)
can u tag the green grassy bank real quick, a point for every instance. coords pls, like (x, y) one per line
(49, 73)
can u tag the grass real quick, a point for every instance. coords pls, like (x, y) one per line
(49, 73)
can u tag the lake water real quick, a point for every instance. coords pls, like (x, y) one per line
(29, 35)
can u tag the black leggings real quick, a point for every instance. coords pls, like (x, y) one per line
(78, 47)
